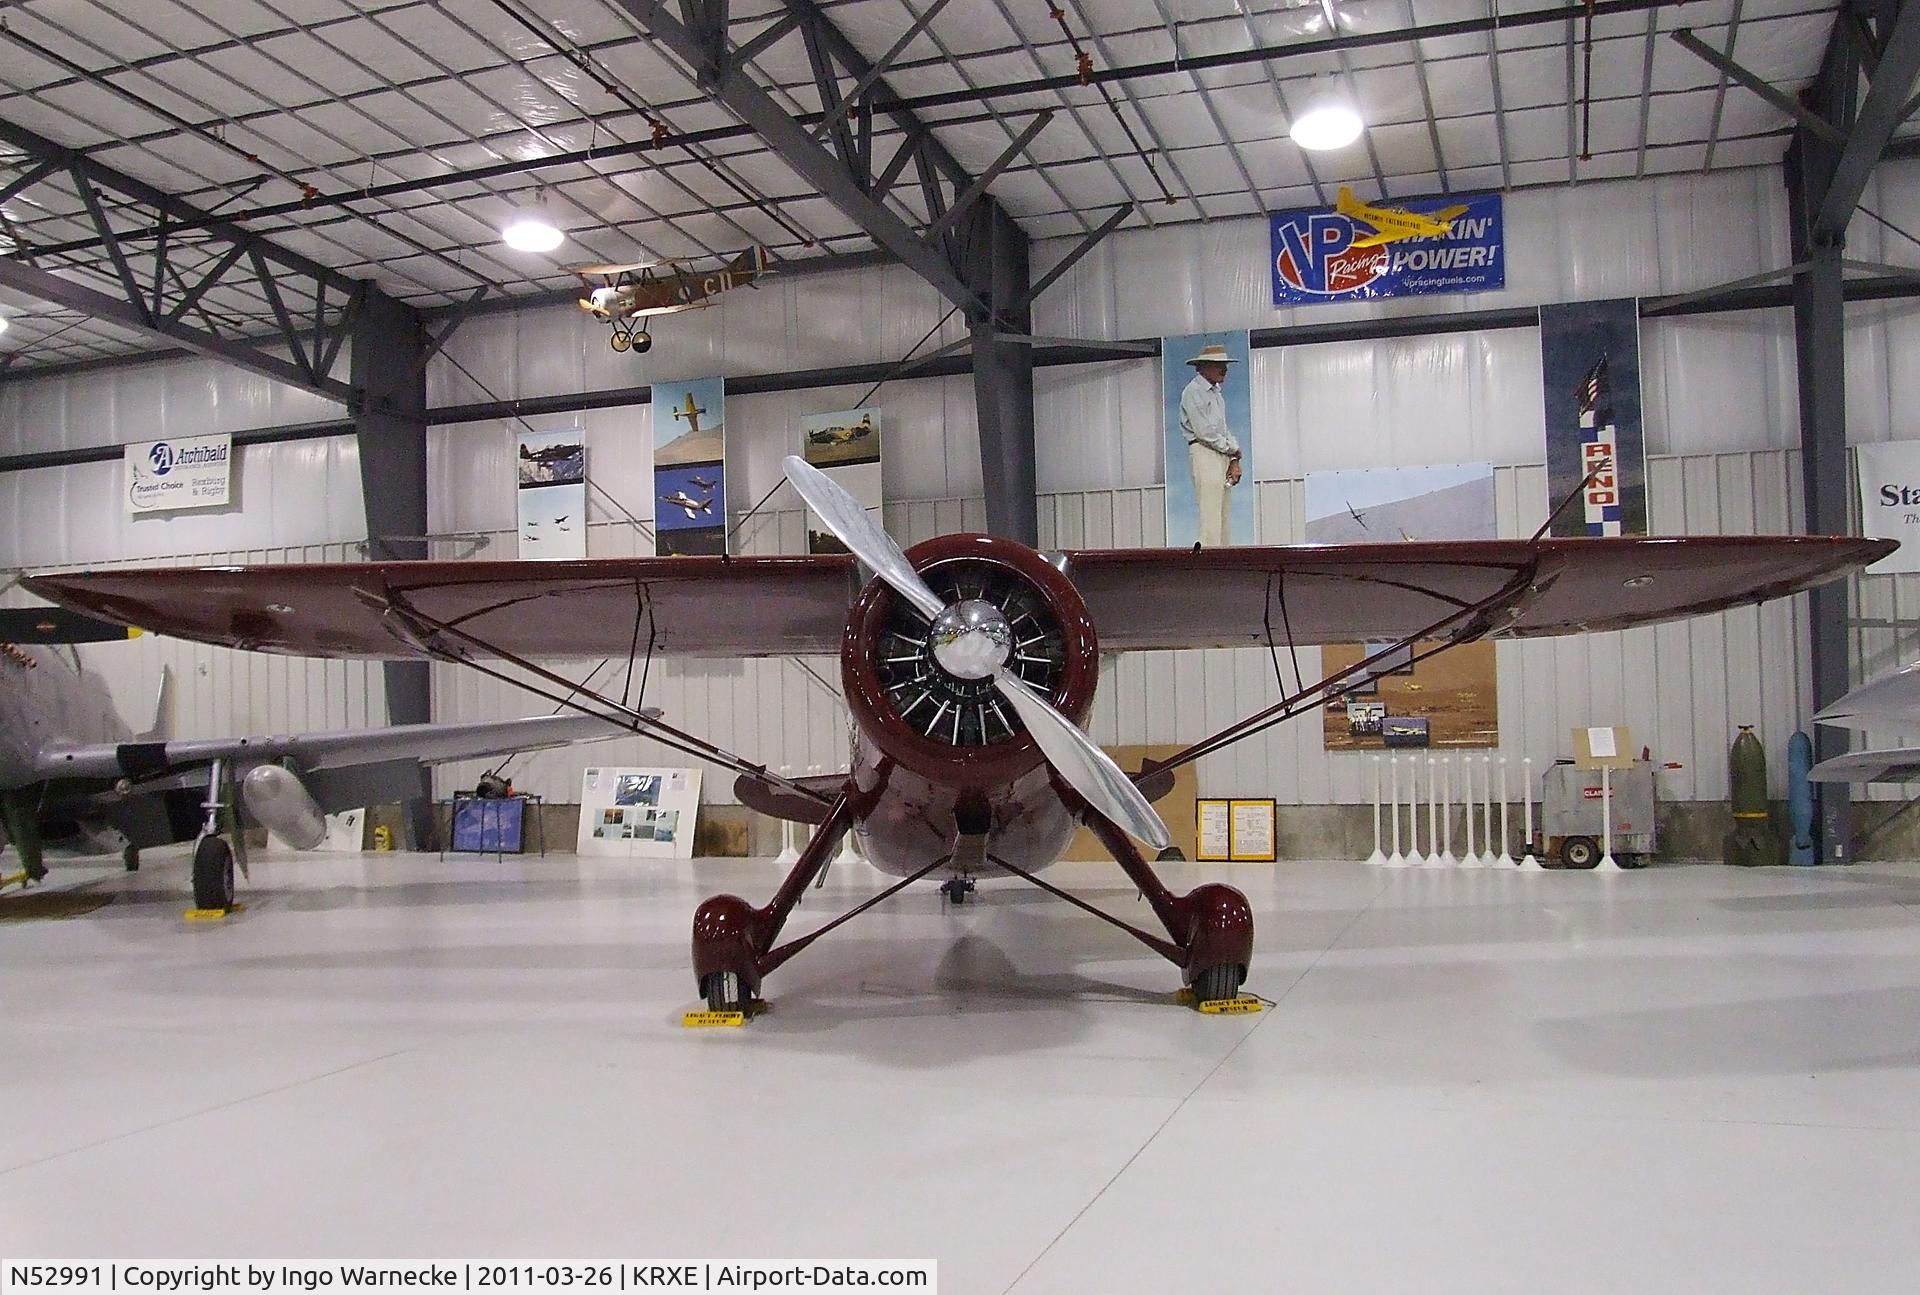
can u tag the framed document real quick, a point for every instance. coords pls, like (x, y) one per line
(1235, 831)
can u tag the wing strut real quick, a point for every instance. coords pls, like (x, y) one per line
(430, 636)
(1465, 624)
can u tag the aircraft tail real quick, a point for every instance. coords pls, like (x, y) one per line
(162, 724)
(750, 264)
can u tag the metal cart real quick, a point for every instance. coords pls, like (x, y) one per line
(1570, 819)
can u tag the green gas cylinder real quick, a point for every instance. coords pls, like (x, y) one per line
(1753, 841)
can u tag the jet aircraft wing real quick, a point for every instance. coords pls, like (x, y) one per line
(796, 605)
(1894, 764)
(321, 752)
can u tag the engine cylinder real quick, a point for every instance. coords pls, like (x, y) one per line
(938, 714)
(280, 801)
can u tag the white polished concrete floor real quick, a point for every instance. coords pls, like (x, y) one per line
(1689, 1079)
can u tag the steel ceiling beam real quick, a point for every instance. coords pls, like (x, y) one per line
(160, 309)
(1879, 113)
(118, 311)
(727, 81)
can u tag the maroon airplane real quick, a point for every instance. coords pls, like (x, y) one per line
(969, 665)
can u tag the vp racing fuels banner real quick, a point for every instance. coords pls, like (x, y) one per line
(1361, 251)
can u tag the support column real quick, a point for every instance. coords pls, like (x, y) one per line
(389, 367)
(1819, 346)
(995, 259)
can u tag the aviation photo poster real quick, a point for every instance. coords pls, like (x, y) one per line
(551, 475)
(1208, 429)
(638, 813)
(845, 445)
(690, 468)
(1451, 699)
(1590, 360)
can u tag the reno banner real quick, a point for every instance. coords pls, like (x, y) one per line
(1590, 357)
(1890, 501)
(690, 468)
(1362, 251)
(184, 472)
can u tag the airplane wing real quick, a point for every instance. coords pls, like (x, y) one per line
(796, 605)
(1889, 703)
(623, 267)
(1895, 764)
(320, 752)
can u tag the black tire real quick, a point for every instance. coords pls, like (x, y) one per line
(1579, 852)
(130, 858)
(213, 874)
(1217, 985)
(724, 992)
(642, 343)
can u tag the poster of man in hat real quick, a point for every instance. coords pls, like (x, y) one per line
(1209, 440)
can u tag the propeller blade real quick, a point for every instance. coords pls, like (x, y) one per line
(1073, 755)
(865, 538)
(1086, 768)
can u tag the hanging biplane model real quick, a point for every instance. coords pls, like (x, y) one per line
(969, 664)
(1394, 224)
(629, 295)
(70, 764)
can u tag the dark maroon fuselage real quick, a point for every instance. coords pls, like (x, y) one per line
(913, 796)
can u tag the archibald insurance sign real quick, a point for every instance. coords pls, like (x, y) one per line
(184, 472)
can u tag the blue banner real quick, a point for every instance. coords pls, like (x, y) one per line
(1360, 251)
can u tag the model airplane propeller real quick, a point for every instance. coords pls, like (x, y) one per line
(971, 639)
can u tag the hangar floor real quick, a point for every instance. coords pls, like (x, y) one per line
(1682, 1079)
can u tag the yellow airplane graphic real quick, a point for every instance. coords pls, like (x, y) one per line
(1392, 224)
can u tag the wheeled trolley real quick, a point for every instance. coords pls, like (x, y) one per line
(1570, 816)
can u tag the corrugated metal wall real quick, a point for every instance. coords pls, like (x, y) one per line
(1722, 422)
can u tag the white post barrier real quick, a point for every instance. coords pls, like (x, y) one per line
(1607, 862)
(1471, 859)
(1376, 858)
(1434, 859)
(1414, 858)
(1446, 812)
(789, 846)
(1528, 863)
(1396, 859)
(1487, 858)
(1506, 859)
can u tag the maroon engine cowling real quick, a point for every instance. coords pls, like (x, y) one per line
(934, 786)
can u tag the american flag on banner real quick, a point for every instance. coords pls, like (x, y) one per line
(1597, 449)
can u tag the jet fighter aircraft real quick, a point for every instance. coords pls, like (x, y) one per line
(969, 664)
(630, 294)
(1394, 224)
(693, 508)
(66, 757)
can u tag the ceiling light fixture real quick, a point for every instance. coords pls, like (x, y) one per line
(1328, 119)
(531, 229)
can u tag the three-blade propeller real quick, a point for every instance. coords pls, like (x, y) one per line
(960, 636)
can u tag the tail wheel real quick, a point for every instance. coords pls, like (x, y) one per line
(723, 992)
(1217, 985)
(620, 341)
(642, 343)
(213, 873)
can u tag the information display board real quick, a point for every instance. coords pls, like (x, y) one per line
(638, 813)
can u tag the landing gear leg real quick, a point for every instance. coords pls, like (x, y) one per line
(732, 938)
(213, 887)
(1211, 926)
(130, 857)
(23, 829)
